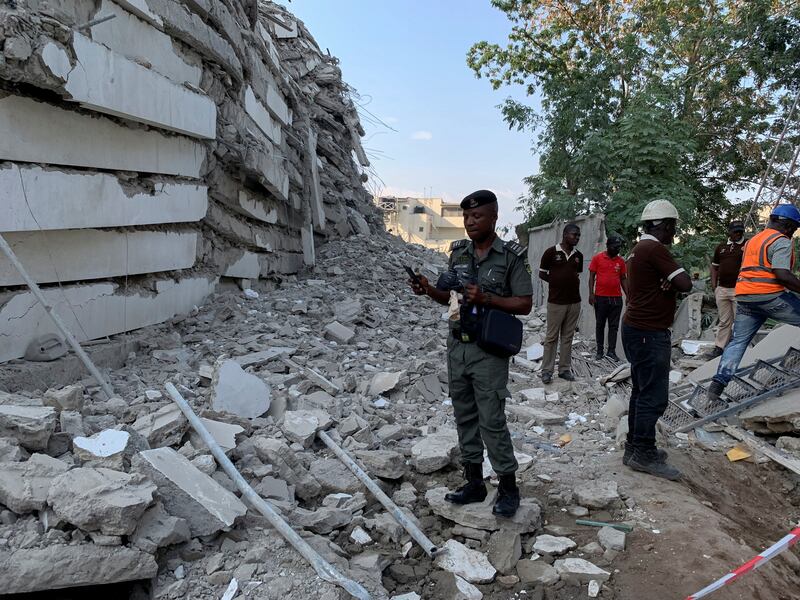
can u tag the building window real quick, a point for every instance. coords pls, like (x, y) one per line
(419, 210)
(405, 207)
(421, 229)
(452, 211)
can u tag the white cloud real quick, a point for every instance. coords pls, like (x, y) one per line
(422, 135)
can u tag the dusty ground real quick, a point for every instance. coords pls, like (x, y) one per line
(685, 535)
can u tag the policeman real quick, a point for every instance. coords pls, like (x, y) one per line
(494, 274)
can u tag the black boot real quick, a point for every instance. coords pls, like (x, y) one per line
(646, 461)
(715, 390)
(507, 501)
(474, 490)
(661, 455)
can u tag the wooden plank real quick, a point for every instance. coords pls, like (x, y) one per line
(764, 448)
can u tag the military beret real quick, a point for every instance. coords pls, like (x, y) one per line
(479, 198)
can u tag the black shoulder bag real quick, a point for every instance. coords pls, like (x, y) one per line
(499, 333)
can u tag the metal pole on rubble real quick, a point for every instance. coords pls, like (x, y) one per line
(427, 545)
(37, 292)
(323, 568)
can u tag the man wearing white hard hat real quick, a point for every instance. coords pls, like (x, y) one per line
(765, 289)
(654, 279)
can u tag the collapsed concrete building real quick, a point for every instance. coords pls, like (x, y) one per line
(149, 148)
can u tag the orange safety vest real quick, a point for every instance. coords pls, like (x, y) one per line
(756, 275)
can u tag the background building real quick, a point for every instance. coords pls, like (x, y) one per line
(430, 222)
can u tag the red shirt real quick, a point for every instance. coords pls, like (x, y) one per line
(609, 272)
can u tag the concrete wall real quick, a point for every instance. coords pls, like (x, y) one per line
(177, 138)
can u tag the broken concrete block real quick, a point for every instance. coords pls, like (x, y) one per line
(17, 48)
(109, 448)
(323, 520)
(59, 566)
(301, 426)
(553, 545)
(615, 407)
(239, 393)
(347, 311)
(334, 477)
(452, 587)
(775, 415)
(157, 529)
(479, 515)
(611, 539)
(505, 550)
(536, 571)
(274, 489)
(188, 493)
(11, 451)
(205, 463)
(71, 422)
(435, 451)
(597, 494)
(103, 500)
(32, 426)
(359, 536)
(578, 570)
(24, 485)
(339, 333)
(223, 433)
(383, 463)
(67, 398)
(540, 415)
(164, 427)
(470, 565)
(384, 382)
(350, 425)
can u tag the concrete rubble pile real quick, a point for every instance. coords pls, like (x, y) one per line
(125, 481)
(144, 157)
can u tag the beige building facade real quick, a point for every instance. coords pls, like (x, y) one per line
(430, 222)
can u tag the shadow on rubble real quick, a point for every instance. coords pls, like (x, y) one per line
(128, 590)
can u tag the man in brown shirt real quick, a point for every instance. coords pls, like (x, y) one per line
(654, 278)
(724, 272)
(560, 267)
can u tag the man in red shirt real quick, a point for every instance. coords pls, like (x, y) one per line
(607, 280)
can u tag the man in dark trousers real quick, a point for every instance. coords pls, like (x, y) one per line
(496, 275)
(654, 279)
(724, 271)
(607, 280)
(766, 289)
(560, 267)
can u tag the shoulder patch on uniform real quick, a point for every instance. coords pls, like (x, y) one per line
(516, 248)
(458, 244)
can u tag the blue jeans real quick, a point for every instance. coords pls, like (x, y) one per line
(649, 355)
(750, 316)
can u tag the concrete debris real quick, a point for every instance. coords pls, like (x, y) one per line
(334, 477)
(339, 333)
(158, 529)
(452, 587)
(188, 493)
(505, 550)
(239, 393)
(24, 485)
(63, 566)
(611, 539)
(301, 426)
(468, 564)
(384, 382)
(11, 451)
(553, 545)
(383, 463)
(578, 570)
(536, 572)
(32, 426)
(597, 494)
(435, 451)
(66, 398)
(105, 449)
(223, 433)
(776, 415)
(164, 427)
(101, 499)
(323, 520)
(479, 515)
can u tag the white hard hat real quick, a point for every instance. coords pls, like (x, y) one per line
(659, 209)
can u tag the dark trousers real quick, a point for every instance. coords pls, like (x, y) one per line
(607, 309)
(649, 355)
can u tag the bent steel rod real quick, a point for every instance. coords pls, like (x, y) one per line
(427, 545)
(323, 568)
(37, 293)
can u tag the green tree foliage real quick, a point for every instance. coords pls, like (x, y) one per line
(646, 99)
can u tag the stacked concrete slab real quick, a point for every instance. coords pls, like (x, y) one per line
(144, 157)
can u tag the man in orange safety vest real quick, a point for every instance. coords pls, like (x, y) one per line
(763, 290)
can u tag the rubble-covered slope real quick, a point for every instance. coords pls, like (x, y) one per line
(144, 156)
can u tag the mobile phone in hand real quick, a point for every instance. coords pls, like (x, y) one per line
(414, 277)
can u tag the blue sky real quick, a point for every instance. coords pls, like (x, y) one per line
(407, 59)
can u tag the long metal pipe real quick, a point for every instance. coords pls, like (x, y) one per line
(37, 293)
(323, 568)
(427, 545)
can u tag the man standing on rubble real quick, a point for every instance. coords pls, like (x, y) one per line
(495, 274)
(560, 267)
(724, 271)
(654, 278)
(607, 280)
(763, 290)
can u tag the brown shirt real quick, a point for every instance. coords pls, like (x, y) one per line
(563, 274)
(728, 260)
(649, 265)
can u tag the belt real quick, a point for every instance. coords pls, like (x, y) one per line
(462, 337)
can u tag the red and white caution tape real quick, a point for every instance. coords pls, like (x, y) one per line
(760, 560)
